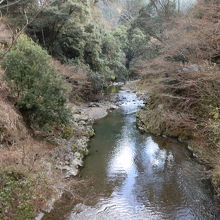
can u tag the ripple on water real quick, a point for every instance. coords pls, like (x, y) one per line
(140, 177)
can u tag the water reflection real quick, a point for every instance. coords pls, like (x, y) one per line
(123, 160)
(149, 177)
(140, 177)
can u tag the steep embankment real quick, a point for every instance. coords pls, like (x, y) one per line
(191, 116)
(183, 85)
(39, 162)
(40, 165)
(36, 165)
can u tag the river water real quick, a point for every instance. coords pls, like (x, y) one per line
(136, 176)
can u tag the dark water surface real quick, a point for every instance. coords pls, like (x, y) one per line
(136, 176)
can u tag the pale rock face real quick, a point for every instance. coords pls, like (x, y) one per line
(5, 34)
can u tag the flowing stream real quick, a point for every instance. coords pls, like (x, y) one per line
(136, 176)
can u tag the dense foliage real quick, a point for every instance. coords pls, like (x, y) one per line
(98, 42)
(40, 94)
(71, 32)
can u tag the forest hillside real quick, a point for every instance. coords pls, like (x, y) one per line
(57, 57)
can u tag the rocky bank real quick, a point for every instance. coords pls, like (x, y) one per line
(73, 148)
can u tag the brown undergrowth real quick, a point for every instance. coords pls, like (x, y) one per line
(184, 83)
(29, 179)
(78, 80)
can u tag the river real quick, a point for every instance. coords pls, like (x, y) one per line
(134, 176)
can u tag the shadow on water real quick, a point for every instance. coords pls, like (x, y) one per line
(137, 176)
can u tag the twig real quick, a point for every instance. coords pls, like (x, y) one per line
(9, 4)
(25, 26)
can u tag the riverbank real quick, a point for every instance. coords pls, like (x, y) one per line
(200, 134)
(130, 175)
(68, 156)
(40, 163)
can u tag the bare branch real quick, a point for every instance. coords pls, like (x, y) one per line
(17, 35)
(9, 4)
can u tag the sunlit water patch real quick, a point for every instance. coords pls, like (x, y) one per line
(139, 177)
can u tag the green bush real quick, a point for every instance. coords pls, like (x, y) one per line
(16, 195)
(98, 82)
(70, 32)
(33, 80)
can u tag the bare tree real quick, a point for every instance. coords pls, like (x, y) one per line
(28, 21)
(164, 8)
(116, 11)
(6, 4)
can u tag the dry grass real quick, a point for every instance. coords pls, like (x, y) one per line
(5, 33)
(184, 83)
(12, 128)
(77, 80)
(32, 158)
(70, 71)
(195, 36)
(20, 153)
(184, 78)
